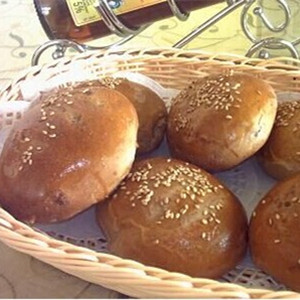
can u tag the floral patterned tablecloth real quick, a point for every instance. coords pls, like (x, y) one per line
(20, 34)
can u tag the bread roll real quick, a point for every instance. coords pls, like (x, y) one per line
(280, 157)
(274, 233)
(221, 120)
(151, 110)
(173, 215)
(69, 151)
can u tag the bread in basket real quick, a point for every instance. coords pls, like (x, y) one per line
(172, 69)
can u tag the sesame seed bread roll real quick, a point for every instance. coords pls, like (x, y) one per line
(221, 120)
(173, 215)
(280, 156)
(274, 233)
(150, 108)
(68, 152)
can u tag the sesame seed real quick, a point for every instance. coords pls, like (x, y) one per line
(228, 117)
(53, 135)
(20, 168)
(167, 214)
(299, 261)
(52, 113)
(270, 221)
(183, 196)
(263, 202)
(156, 242)
(276, 241)
(45, 132)
(254, 214)
(184, 209)
(236, 86)
(26, 139)
(177, 215)
(277, 216)
(213, 214)
(204, 221)
(203, 235)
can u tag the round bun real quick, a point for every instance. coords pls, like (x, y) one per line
(274, 233)
(69, 151)
(280, 157)
(221, 120)
(150, 108)
(173, 215)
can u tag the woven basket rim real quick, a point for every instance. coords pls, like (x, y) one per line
(144, 272)
(29, 240)
(261, 64)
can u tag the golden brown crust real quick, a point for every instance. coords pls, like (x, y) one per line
(70, 150)
(173, 215)
(221, 120)
(280, 156)
(274, 233)
(151, 110)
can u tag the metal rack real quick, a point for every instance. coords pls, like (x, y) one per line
(260, 45)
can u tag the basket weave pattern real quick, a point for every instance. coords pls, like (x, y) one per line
(173, 69)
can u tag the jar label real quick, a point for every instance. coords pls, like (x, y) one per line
(84, 12)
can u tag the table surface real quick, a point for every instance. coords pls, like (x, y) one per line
(22, 276)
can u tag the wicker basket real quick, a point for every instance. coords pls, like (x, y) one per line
(174, 69)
